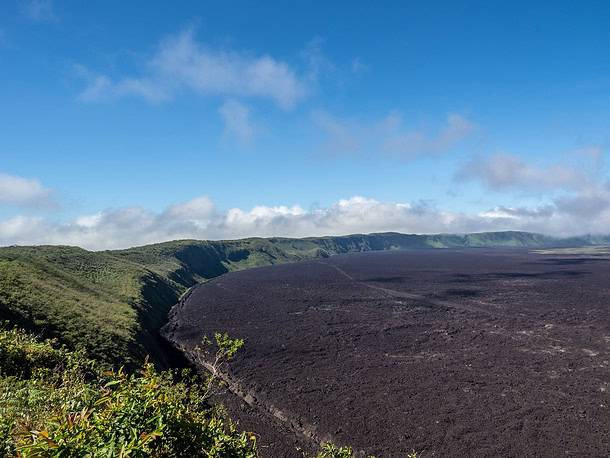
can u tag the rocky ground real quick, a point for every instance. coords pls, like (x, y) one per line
(474, 353)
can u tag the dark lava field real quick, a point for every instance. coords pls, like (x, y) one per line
(465, 353)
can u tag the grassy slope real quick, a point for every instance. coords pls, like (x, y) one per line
(114, 302)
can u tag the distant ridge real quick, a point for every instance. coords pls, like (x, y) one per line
(114, 302)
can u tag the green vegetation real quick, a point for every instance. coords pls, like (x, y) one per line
(113, 303)
(84, 298)
(332, 451)
(58, 403)
(578, 251)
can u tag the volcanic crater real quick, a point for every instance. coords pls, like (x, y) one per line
(473, 352)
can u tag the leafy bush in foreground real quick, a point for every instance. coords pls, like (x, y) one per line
(55, 402)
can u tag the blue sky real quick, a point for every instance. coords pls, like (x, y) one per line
(131, 122)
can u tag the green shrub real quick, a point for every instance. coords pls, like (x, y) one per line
(332, 451)
(57, 403)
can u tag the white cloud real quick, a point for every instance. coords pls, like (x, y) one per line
(518, 213)
(501, 172)
(199, 219)
(21, 230)
(579, 195)
(389, 136)
(89, 220)
(198, 211)
(100, 87)
(38, 10)
(563, 217)
(181, 63)
(21, 191)
(237, 121)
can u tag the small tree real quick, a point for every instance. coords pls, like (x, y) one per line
(214, 356)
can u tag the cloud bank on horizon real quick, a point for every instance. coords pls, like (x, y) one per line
(584, 212)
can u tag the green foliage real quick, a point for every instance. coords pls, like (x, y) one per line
(215, 357)
(84, 299)
(57, 403)
(332, 451)
(226, 347)
(21, 354)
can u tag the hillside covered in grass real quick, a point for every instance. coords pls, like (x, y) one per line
(112, 303)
